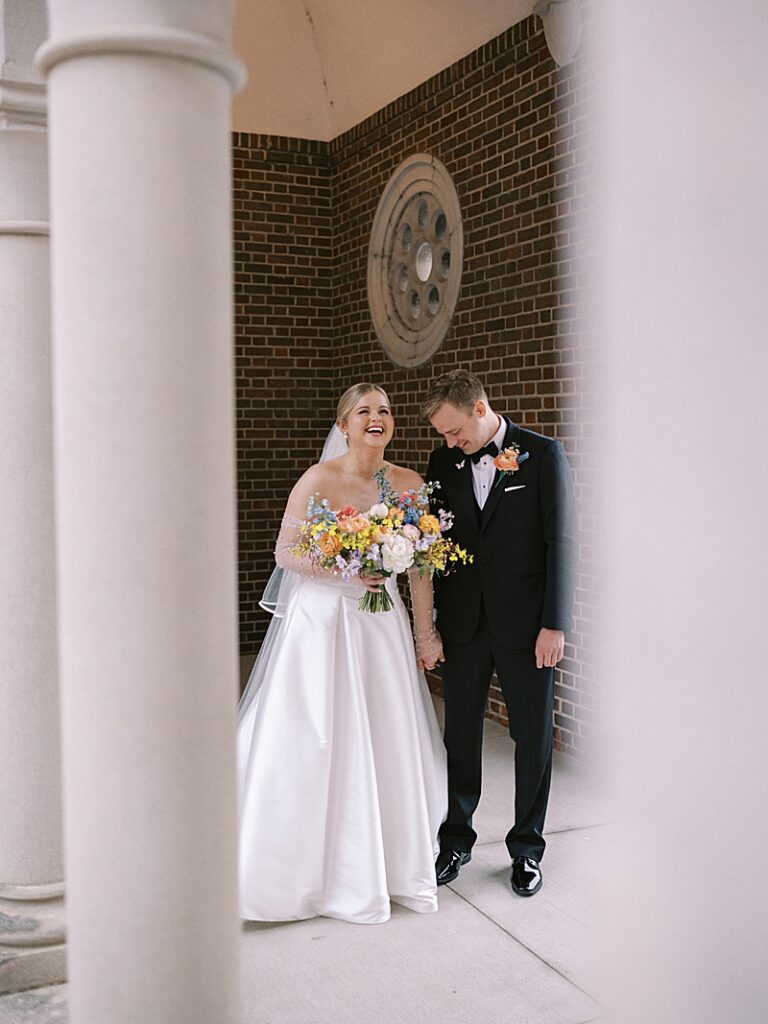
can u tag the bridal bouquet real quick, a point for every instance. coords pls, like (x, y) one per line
(395, 534)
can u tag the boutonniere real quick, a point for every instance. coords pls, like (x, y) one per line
(508, 462)
(460, 465)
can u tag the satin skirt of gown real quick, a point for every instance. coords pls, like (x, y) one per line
(341, 767)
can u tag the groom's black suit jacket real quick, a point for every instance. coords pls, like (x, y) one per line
(522, 543)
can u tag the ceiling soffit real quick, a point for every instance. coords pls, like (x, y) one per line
(318, 67)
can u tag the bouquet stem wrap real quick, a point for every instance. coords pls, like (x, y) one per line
(376, 600)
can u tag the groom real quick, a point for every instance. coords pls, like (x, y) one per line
(511, 496)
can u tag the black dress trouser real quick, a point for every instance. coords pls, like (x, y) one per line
(529, 696)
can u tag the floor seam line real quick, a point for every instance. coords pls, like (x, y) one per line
(577, 828)
(555, 832)
(528, 948)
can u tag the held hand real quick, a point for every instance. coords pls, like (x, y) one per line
(427, 664)
(429, 652)
(550, 644)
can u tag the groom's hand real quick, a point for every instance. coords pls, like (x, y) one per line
(550, 644)
(430, 662)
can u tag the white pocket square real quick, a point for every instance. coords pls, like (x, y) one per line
(517, 487)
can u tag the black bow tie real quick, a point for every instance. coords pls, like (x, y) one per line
(491, 449)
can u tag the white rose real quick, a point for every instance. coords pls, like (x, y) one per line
(378, 511)
(396, 553)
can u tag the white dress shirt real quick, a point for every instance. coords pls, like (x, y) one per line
(484, 471)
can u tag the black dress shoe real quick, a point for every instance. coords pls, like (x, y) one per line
(448, 863)
(526, 876)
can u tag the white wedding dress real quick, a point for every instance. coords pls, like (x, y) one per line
(341, 764)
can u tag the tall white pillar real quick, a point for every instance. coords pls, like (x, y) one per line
(681, 267)
(31, 870)
(139, 96)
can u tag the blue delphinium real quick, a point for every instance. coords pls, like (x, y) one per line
(320, 511)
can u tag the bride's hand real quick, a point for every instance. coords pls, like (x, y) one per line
(429, 651)
(371, 581)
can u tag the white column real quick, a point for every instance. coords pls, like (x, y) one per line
(31, 870)
(682, 316)
(139, 96)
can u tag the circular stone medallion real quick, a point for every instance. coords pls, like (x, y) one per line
(415, 260)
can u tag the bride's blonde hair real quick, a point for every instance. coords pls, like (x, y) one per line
(352, 395)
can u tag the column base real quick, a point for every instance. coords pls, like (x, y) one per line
(47, 1005)
(32, 949)
(31, 967)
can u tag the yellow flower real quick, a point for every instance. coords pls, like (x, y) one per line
(429, 524)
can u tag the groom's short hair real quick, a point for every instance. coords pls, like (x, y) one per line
(459, 387)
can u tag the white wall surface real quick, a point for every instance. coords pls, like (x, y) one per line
(683, 313)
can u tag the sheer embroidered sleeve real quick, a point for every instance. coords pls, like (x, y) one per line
(285, 554)
(428, 642)
(288, 558)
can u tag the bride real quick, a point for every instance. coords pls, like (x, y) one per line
(341, 765)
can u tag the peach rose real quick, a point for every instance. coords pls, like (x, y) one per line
(329, 544)
(506, 461)
(429, 524)
(347, 510)
(353, 524)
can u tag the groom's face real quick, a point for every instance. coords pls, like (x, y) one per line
(461, 428)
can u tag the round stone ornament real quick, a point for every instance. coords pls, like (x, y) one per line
(415, 260)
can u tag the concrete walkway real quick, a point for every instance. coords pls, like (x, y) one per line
(486, 956)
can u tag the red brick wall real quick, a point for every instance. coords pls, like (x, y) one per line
(511, 130)
(283, 338)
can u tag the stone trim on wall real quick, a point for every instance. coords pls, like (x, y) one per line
(415, 256)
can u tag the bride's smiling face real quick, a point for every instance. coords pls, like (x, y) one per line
(369, 424)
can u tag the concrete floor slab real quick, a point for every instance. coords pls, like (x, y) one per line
(559, 922)
(487, 955)
(456, 965)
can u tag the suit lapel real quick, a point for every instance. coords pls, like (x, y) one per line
(465, 486)
(457, 484)
(512, 436)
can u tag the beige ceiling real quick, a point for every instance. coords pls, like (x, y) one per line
(318, 67)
